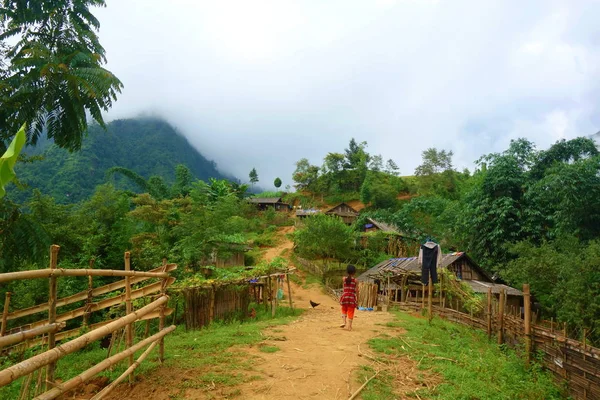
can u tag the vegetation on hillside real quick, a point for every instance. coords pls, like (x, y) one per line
(150, 148)
(533, 216)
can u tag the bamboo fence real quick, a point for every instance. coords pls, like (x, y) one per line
(47, 332)
(220, 301)
(574, 364)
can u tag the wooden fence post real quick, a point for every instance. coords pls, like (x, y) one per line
(501, 318)
(211, 308)
(161, 320)
(287, 276)
(422, 295)
(88, 302)
(5, 313)
(274, 303)
(430, 299)
(527, 321)
(271, 295)
(128, 310)
(489, 313)
(52, 312)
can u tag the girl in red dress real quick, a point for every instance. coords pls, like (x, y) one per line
(349, 297)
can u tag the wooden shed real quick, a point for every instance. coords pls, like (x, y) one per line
(264, 203)
(345, 212)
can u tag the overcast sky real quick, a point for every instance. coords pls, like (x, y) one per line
(264, 83)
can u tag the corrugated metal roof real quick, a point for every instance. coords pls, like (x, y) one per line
(383, 226)
(397, 266)
(268, 200)
(482, 287)
(301, 213)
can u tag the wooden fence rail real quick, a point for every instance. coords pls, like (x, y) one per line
(33, 334)
(573, 363)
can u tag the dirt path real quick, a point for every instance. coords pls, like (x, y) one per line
(317, 359)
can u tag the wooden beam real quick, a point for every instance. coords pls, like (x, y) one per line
(527, 321)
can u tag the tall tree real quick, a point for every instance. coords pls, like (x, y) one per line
(392, 168)
(305, 174)
(51, 73)
(253, 176)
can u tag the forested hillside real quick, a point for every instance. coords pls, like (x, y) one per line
(147, 146)
(528, 215)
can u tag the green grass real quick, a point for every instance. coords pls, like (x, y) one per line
(470, 366)
(209, 350)
(269, 349)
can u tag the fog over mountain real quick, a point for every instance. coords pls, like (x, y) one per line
(265, 83)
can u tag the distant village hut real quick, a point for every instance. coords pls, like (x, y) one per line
(345, 212)
(397, 243)
(264, 203)
(400, 278)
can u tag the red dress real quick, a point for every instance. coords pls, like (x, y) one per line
(348, 297)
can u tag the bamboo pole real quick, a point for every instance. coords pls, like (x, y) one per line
(287, 276)
(47, 273)
(527, 321)
(25, 367)
(112, 301)
(128, 310)
(90, 373)
(5, 313)
(52, 297)
(104, 392)
(501, 318)
(88, 302)
(19, 337)
(83, 295)
(489, 313)
(161, 319)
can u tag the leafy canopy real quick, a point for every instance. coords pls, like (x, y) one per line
(52, 73)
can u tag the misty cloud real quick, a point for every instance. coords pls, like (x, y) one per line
(265, 83)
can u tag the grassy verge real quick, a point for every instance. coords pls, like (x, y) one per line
(209, 352)
(466, 363)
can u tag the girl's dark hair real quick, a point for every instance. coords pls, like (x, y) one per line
(350, 270)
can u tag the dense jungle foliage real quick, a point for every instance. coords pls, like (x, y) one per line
(529, 215)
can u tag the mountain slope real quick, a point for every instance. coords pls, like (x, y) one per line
(146, 146)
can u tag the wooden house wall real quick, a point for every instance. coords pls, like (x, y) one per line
(235, 260)
(464, 270)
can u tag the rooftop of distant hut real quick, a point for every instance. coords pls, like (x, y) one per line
(267, 200)
(399, 266)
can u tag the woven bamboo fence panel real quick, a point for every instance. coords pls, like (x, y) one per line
(572, 362)
(206, 304)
